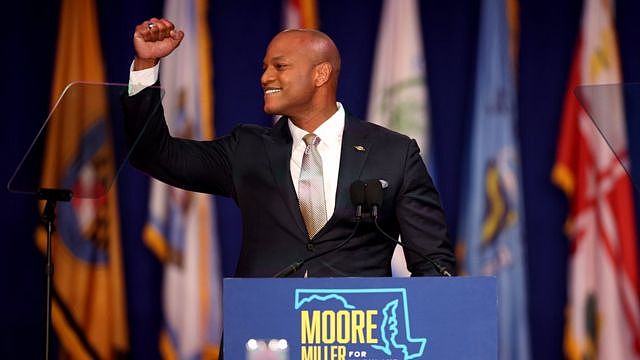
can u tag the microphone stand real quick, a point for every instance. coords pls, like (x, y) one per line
(51, 196)
(441, 269)
(374, 197)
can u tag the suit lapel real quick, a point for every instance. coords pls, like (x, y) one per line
(278, 145)
(353, 155)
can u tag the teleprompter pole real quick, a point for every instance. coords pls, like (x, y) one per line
(51, 196)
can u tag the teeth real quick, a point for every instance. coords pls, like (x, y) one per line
(271, 91)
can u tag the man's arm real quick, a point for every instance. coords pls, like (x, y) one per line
(421, 218)
(202, 166)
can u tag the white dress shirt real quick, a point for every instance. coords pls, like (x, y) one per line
(138, 80)
(330, 134)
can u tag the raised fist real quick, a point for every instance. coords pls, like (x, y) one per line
(153, 40)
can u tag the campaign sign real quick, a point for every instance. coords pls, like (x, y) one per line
(362, 318)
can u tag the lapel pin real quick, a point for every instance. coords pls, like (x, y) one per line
(359, 147)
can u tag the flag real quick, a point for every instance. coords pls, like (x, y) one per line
(603, 309)
(491, 229)
(300, 14)
(398, 98)
(181, 228)
(88, 306)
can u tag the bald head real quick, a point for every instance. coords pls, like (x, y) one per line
(319, 45)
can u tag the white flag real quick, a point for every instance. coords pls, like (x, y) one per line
(398, 98)
(181, 227)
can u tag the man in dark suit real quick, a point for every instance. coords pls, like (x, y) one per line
(292, 181)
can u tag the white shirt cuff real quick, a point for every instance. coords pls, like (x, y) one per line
(141, 79)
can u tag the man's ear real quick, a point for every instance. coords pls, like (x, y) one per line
(323, 73)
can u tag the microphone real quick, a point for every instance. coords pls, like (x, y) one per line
(374, 196)
(358, 197)
(358, 200)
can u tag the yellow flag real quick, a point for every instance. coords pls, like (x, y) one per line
(89, 312)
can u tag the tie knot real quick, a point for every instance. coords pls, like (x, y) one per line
(311, 139)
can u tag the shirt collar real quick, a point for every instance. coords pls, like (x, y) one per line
(330, 131)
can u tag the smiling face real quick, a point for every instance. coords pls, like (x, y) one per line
(289, 77)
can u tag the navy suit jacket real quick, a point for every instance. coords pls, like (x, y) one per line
(251, 165)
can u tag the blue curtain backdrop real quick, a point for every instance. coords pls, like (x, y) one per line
(240, 33)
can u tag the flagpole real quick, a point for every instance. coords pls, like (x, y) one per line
(51, 196)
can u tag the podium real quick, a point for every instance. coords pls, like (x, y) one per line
(361, 318)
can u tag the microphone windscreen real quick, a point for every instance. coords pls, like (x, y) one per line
(374, 193)
(357, 193)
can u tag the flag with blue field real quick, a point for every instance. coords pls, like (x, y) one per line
(491, 224)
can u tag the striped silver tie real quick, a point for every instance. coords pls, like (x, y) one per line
(311, 187)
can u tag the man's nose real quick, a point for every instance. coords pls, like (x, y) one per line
(267, 76)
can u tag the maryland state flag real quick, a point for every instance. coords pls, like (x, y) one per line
(88, 312)
(603, 309)
(300, 14)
